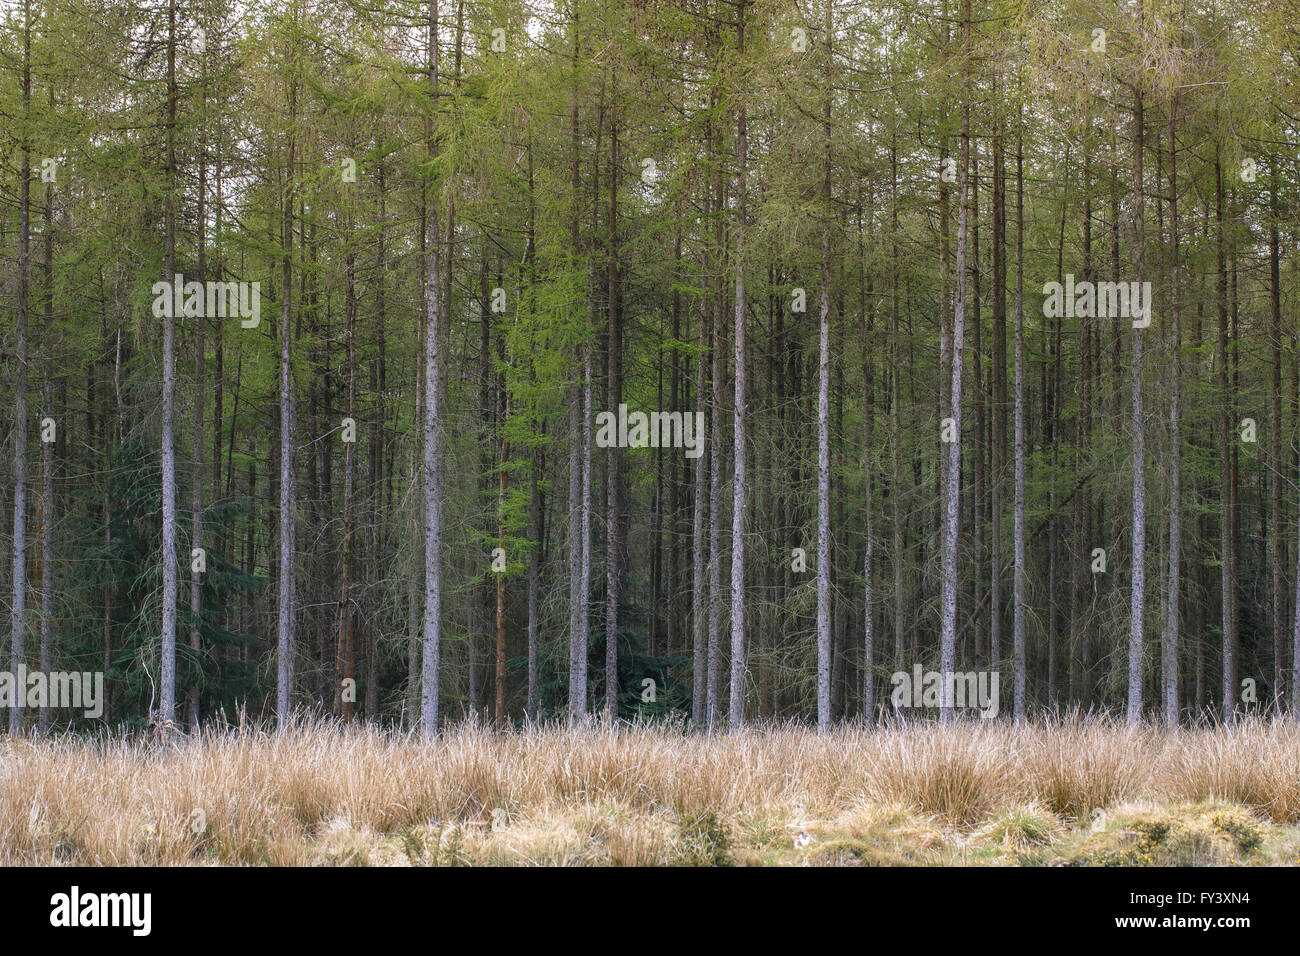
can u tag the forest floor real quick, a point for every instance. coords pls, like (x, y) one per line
(1062, 792)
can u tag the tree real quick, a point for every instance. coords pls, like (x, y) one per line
(738, 486)
(952, 476)
(433, 359)
(823, 415)
(167, 696)
(1137, 600)
(17, 653)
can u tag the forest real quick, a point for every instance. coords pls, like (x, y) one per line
(420, 362)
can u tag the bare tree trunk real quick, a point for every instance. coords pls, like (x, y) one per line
(499, 711)
(1137, 598)
(823, 418)
(614, 393)
(737, 695)
(579, 465)
(536, 522)
(584, 572)
(699, 591)
(868, 437)
(285, 625)
(45, 577)
(952, 476)
(999, 404)
(1169, 642)
(1018, 546)
(196, 475)
(167, 705)
(579, 426)
(895, 377)
(433, 358)
(345, 644)
(577, 599)
(17, 649)
(1276, 555)
(715, 491)
(1227, 591)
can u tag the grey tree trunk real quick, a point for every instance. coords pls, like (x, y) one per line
(285, 623)
(17, 649)
(167, 705)
(614, 392)
(345, 643)
(1018, 546)
(200, 376)
(700, 602)
(824, 498)
(895, 404)
(715, 533)
(1137, 597)
(536, 519)
(584, 571)
(1226, 587)
(868, 437)
(579, 427)
(577, 599)
(433, 493)
(1169, 641)
(1275, 542)
(717, 411)
(47, 460)
(737, 693)
(824, 423)
(952, 475)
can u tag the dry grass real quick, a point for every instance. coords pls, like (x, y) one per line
(1062, 791)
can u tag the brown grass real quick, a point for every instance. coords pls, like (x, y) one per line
(979, 791)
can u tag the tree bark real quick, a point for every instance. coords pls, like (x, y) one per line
(1137, 597)
(1169, 642)
(952, 476)
(1226, 588)
(823, 416)
(167, 703)
(737, 691)
(1018, 545)
(433, 360)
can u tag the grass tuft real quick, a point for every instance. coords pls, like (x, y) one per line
(1068, 791)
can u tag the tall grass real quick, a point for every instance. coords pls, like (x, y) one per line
(554, 794)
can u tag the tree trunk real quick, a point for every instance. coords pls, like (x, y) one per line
(45, 577)
(1226, 589)
(952, 476)
(433, 359)
(345, 645)
(614, 394)
(196, 475)
(1276, 555)
(823, 418)
(1169, 642)
(737, 691)
(1018, 546)
(1137, 597)
(499, 711)
(167, 705)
